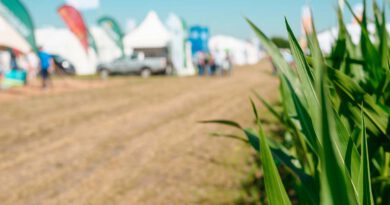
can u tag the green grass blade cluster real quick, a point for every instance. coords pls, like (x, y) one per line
(336, 108)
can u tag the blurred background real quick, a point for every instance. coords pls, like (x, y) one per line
(86, 34)
(100, 99)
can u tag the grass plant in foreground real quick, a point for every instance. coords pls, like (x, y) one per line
(336, 109)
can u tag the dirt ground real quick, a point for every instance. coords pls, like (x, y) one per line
(126, 141)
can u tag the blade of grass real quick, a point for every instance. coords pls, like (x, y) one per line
(275, 190)
(255, 110)
(305, 121)
(269, 107)
(223, 122)
(230, 136)
(356, 95)
(304, 71)
(336, 188)
(364, 187)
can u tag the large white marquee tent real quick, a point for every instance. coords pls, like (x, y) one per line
(151, 33)
(61, 41)
(107, 49)
(328, 37)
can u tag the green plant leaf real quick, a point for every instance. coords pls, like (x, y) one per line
(230, 136)
(345, 146)
(378, 16)
(355, 95)
(336, 186)
(253, 139)
(275, 190)
(270, 108)
(223, 122)
(364, 186)
(255, 111)
(287, 101)
(305, 120)
(383, 35)
(273, 50)
(304, 71)
(352, 12)
(281, 154)
(339, 50)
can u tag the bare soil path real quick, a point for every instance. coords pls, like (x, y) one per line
(126, 141)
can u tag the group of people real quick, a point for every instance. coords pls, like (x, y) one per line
(214, 64)
(16, 67)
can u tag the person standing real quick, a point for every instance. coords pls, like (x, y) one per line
(212, 65)
(13, 61)
(1, 73)
(46, 63)
(201, 63)
(207, 60)
(227, 64)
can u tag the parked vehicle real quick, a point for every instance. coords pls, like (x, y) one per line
(135, 64)
(63, 66)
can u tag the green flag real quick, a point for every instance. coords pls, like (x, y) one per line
(112, 28)
(92, 42)
(16, 14)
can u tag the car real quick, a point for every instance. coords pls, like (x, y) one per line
(136, 63)
(63, 66)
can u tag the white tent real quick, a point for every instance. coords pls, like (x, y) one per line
(10, 38)
(178, 47)
(107, 48)
(61, 41)
(242, 52)
(256, 42)
(151, 33)
(328, 37)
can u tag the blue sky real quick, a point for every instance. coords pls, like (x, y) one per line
(222, 16)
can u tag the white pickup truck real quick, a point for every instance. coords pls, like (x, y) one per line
(135, 64)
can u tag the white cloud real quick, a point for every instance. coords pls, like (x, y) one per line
(84, 4)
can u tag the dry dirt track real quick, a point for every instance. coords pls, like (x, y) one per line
(132, 141)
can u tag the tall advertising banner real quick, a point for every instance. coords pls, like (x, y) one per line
(113, 30)
(177, 45)
(76, 24)
(92, 42)
(16, 14)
